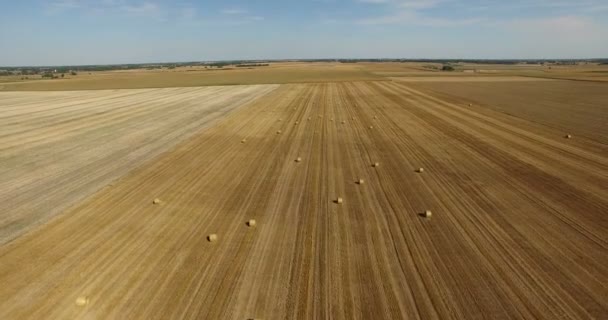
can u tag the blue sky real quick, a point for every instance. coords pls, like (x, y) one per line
(61, 32)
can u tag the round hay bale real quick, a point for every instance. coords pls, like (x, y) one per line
(420, 170)
(361, 181)
(332, 119)
(375, 164)
(568, 136)
(308, 118)
(243, 141)
(212, 237)
(371, 127)
(156, 201)
(298, 159)
(297, 122)
(470, 104)
(375, 117)
(343, 122)
(427, 214)
(251, 223)
(280, 119)
(82, 301)
(339, 200)
(278, 131)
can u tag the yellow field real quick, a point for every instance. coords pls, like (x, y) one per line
(57, 148)
(338, 175)
(191, 77)
(578, 107)
(292, 72)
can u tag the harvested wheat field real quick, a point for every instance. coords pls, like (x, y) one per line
(57, 148)
(518, 226)
(578, 106)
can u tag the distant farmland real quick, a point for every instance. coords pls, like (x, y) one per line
(192, 77)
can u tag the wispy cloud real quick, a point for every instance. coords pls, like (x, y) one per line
(597, 8)
(237, 16)
(375, 1)
(144, 9)
(542, 6)
(62, 5)
(413, 12)
(115, 8)
(408, 4)
(420, 4)
(432, 13)
(582, 5)
(67, 4)
(155, 10)
(414, 18)
(565, 36)
(234, 11)
(562, 25)
(188, 13)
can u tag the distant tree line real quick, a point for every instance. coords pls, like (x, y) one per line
(244, 65)
(218, 64)
(27, 70)
(49, 75)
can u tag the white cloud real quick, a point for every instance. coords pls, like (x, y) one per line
(409, 4)
(188, 13)
(136, 8)
(414, 18)
(413, 12)
(375, 1)
(566, 36)
(63, 5)
(234, 11)
(419, 4)
(597, 8)
(573, 5)
(238, 16)
(67, 4)
(144, 9)
(561, 25)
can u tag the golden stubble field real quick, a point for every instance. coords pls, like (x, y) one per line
(57, 148)
(518, 225)
(301, 72)
(575, 107)
(276, 73)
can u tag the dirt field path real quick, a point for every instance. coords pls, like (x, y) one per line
(56, 148)
(518, 227)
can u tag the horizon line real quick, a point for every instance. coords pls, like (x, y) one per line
(309, 60)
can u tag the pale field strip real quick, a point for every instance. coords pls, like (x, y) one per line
(58, 147)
